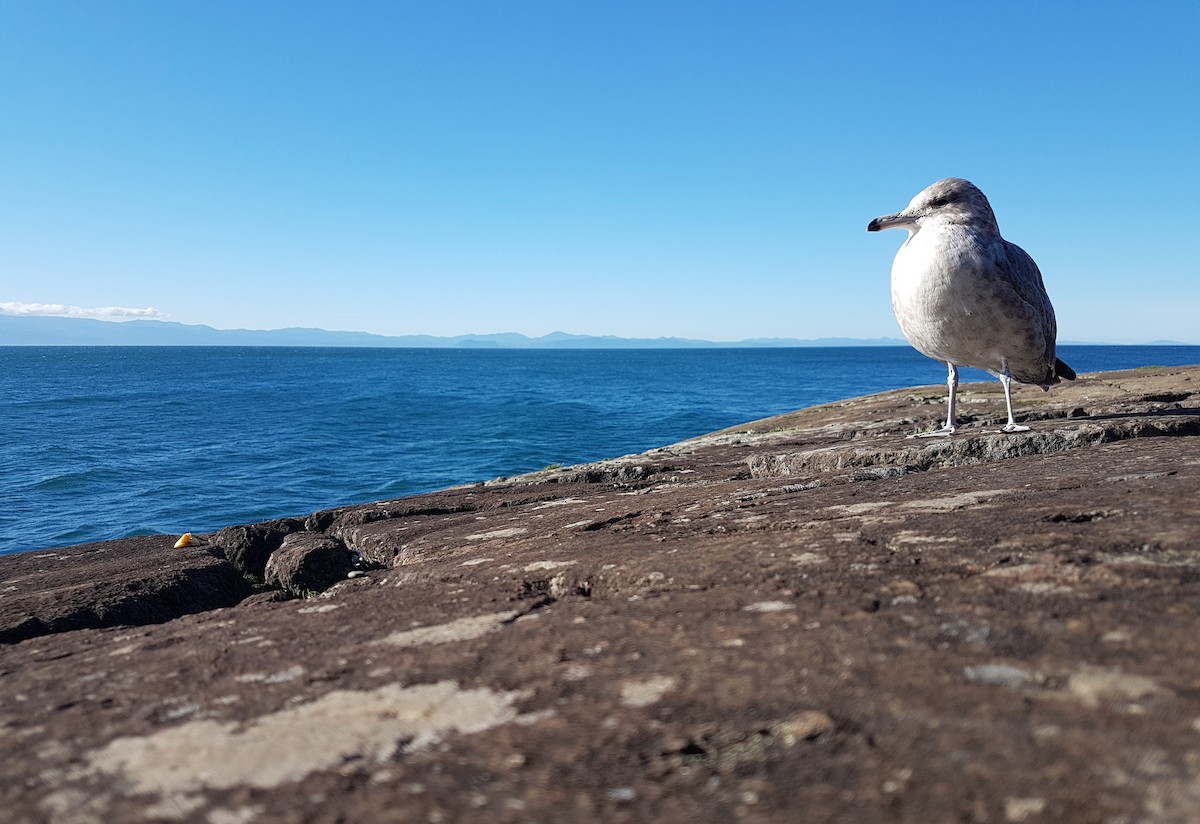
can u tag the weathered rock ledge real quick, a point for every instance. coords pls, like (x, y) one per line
(807, 618)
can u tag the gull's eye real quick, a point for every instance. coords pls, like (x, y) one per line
(938, 202)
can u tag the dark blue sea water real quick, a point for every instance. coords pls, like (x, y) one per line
(99, 443)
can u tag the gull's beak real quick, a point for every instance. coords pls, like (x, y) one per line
(900, 219)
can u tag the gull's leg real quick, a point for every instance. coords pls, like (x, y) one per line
(1006, 380)
(952, 382)
(949, 428)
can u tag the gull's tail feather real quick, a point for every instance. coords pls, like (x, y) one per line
(1063, 371)
(1056, 374)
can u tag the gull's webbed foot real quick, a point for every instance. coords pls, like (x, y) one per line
(1014, 427)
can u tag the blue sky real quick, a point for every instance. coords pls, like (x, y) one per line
(696, 169)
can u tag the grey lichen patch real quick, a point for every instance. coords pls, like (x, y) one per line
(910, 538)
(1042, 578)
(857, 509)
(1022, 809)
(463, 629)
(544, 565)
(804, 726)
(949, 503)
(769, 606)
(646, 692)
(1093, 686)
(1003, 675)
(177, 763)
(506, 532)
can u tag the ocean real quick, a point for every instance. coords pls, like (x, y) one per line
(107, 442)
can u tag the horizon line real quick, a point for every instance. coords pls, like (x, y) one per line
(117, 334)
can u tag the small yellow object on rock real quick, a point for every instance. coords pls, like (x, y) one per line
(184, 540)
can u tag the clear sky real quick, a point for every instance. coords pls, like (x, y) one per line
(636, 168)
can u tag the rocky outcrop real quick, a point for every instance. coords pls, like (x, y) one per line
(249, 547)
(308, 563)
(810, 617)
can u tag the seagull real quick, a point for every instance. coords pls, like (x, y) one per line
(967, 297)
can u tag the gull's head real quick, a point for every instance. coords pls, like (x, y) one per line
(951, 200)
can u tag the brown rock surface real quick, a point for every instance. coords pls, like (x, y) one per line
(135, 581)
(808, 618)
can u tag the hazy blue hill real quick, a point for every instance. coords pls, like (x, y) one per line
(50, 331)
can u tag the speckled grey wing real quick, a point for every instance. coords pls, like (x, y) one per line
(1034, 363)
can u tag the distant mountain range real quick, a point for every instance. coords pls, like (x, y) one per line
(25, 330)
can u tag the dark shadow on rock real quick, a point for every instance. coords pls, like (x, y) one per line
(249, 546)
(132, 582)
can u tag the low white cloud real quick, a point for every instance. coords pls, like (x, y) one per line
(62, 311)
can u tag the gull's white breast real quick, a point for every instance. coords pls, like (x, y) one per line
(940, 295)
